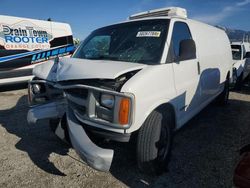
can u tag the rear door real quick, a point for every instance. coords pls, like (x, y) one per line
(186, 73)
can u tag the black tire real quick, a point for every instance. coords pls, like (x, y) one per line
(54, 123)
(154, 144)
(239, 82)
(222, 99)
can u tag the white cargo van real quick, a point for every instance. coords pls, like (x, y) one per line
(145, 77)
(241, 64)
(25, 42)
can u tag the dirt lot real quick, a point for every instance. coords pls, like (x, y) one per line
(205, 151)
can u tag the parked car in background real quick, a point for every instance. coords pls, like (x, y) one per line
(25, 42)
(144, 78)
(241, 63)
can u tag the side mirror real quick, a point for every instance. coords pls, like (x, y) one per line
(187, 50)
(247, 55)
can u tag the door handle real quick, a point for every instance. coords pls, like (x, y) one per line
(198, 67)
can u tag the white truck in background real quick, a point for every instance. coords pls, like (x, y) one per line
(241, 62)
(145, 77)
(25, 42)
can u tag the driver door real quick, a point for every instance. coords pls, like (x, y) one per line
(186, 74)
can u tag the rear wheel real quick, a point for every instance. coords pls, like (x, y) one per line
(222, 99)
(239, 82)
(154, 144)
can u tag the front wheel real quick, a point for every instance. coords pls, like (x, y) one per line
(60, 128)
(154, 144)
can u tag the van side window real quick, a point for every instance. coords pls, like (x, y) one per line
(180, 32)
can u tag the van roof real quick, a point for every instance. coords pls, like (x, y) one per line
(18, 18)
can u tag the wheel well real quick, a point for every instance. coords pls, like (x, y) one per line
(165, 109)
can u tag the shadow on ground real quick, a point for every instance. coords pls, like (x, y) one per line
(38, 141)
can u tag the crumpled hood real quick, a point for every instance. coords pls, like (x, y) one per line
(75, 69)
(45, 71)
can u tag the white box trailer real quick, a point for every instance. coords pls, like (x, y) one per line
(241, 63)
(25, 42)
(145, 77)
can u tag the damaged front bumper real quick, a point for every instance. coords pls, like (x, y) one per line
(96, 157)
(52, 110)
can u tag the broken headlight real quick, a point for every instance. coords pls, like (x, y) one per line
(41, 91)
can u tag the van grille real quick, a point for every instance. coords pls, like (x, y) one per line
(77, 99)
(78, 92)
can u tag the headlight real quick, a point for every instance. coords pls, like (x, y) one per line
(36, 88)
(107, 100)
(41, 92)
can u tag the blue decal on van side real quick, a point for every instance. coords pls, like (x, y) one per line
(40, 54)
(12, 57)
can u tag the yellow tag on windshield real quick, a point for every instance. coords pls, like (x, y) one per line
(148, 34)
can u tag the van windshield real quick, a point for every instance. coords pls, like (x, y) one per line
(135, 42)
(236, 51)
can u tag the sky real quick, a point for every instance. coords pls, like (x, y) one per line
(86, 15)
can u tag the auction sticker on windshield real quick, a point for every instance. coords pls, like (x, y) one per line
(148, 34)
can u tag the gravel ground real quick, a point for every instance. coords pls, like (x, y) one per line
(205, 151)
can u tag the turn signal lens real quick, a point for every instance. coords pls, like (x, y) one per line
(124, 111)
